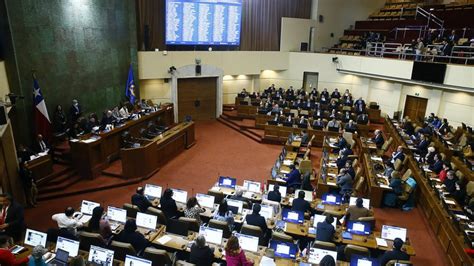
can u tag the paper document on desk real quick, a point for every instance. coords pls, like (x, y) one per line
(380, 175)
(287, 162)
(331, 183)
(435, 179)
(164, 239)
(85, 219)
(284, 171)
(376, 158)
(280, 180)
(385, 186)
(439, 186)
(266, 261)
(426, 169)
(381, 242)
(89, 140)
(332, 145)
(452, 202)
(332, 174)
(462, 217)
(332, 165)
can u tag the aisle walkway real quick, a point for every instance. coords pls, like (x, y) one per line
(222, 151)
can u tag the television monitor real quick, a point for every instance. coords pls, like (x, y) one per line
(136, 261)
(358, 260)
(332, 199)
(206, 201)
(252, 186)
(428, 72)
(249, 243)
(101, 256)
(34, 238)
(308, 195)
(180, 195)
(117, 214)
(282, 189)
(237, 204)
(284, 250)
(316, 254)
(71, 246)
(365, 202)
(391, 232)
(318, 218)
(212, 235)
(152, 191)
(203, 22)
(228, 182)
(146, 220)
(88, 206)
(292, 216)
(358, 228)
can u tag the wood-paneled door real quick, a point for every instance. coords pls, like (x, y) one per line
(197, 98)
(415, 107)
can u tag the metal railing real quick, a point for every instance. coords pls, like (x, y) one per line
(429, 16)
(423, 30)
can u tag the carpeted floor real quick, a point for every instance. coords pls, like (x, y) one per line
(220, 150)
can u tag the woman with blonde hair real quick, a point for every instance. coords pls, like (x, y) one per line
(234, 255)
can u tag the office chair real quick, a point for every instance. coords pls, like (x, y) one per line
(256, 231)
(161, 216)
(350, 250)
(193, 224)
(402, 262)
(159, 257)
(87, 239)
(370, 219)
(131, 210)
(282, 237)
(121, 250)
(218, 196)
(226, 233)
(324, 245)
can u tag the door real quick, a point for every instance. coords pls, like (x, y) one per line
(310, 80)
(197, 98)
(415, 108)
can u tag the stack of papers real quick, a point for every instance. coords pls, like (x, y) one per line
(376, 158)
(381, 242)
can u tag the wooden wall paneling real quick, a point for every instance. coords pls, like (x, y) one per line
(192, 90)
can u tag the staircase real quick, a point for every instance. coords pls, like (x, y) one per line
(243, 126)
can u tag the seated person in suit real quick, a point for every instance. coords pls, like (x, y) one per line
(395, 254)
(429, 158)
(422, 147)
(350, 127)
(41, 145)
(7, 257)
(168, 204)
(333, 105)
(67, 220)
(356, 211)
(325, 93)
(127, 140)
(91, 124)
(131, 236)
(390, 197)
(318, 113)
(349, 169)
(359, 106)
(333, 124)
(12, 222)
(24, 154)
(300, 204)
(303, 122)
(201, 254)
(293, 178)
(336, 94)
(378, 138)
(107, 119)
(346, 116)
(437, 165)
(275, 194)
(325, 231)
(140, 200)
(256, 219)
(318, 124)
(341, 144)
(363, 119)
(450, 182)
(344, 181)
(343, 157)
(276, 109)
(347, 101)
(304, 137)
(123, 111)
(239, 196)
(397, 155)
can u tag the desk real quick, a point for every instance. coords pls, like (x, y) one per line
(376, 186)
(41, 166)
(146, 159)
(246, 111)
(281, 133)
(90, 158)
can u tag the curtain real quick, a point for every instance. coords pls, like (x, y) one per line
(261, 22)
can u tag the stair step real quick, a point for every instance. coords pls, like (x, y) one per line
(240, 130)
(60, 187)
(53, 176)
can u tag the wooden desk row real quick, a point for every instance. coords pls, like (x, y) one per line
(91, 157)
(450, 238)
(41, 167)
(281, 133)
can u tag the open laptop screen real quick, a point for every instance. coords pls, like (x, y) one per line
(88, 206)
(392, 232)
(358, 228)
(146, 220)
(235, 203)
(292, 216)
(68, 245)
(282, 189)
(117, 214)
(332, 199)
(225, 181)
(252, 186)
(249, 243)
(212, 235)
(34, 238)
(308, 195)
(206, 201)
(101, 256)
(284, 249)
(365, 202)
(180, 195)
(136, 261)
(358, 260)
(152, 191)
(316, 254)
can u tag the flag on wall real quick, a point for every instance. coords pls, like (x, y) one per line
(130, 88)
(42, 121)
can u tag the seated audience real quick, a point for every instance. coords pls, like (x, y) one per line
(300, 204)
(225, 215)
(193, 209)
(131, 236)
(12, 221)
(275, 194)
(397, 155)
(444, 172)
(333, 124)
(256, 219)
(450, 182)
(234, 255)
(6, 256)
(99, 224)
(395, 254)
(40, 145)
(356, 211)
(67, 220)
(422, 147)
(325, 231)
(139, 200)
(429, 158)
(437, 165)
(350, 127)
(293, 178)
(201, 254)
(168, 204)
(362, 119)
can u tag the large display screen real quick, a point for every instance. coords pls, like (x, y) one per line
(203, 22)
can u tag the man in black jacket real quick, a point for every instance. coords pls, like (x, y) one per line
(275, 194)
(140, 200)
(300, 204)
(395, 254)
(201, 254)
(256, 219)
(325, 231)
(12, 221)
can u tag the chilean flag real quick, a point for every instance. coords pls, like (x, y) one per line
(42, 121)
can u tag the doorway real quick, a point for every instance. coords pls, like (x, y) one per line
(415, 108)
(310, 80)
(197, 98)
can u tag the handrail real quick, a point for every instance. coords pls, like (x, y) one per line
(429, 16)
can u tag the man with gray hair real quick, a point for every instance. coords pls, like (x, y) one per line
(75, 111)
(378, 139)
(239, 196)
(201, 254)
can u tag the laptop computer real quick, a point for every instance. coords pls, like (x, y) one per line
(358, 260)
(228, 182)
(290, 216)
(332, 199)
(284, 249)
(179, 195)
(318, 218)
(282, 189)
(308, 195)
(101, 256)
(117, 216)
(248, 243)
(365, 202)
(252, 186)
(358, 227)
(136, 261)
(87, 207)
(212, 235)
(317, 254)
(206, 201)
(34, 238)
(69, 245)
(266, 211)
(235, 206)
(60, 258)
(152, 192)
(146, 222)
(391, 232)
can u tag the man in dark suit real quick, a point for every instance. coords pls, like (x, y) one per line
(256, 219)
(75, 111)
(140, 200)
(422, 147)
(107, 119)
(12, 221)
(378, 139)
(304, 137)
(395, 254)
(336, 94)
(325, 231)
(300, 204)
(350, 127)
(239, 196)
(363, 119)
(275, 194)
(359, 106)
(437, 166)
(40, 145)
(341, 144)
(398, 155)
(294, 177)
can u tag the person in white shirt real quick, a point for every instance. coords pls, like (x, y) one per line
(67, 220)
